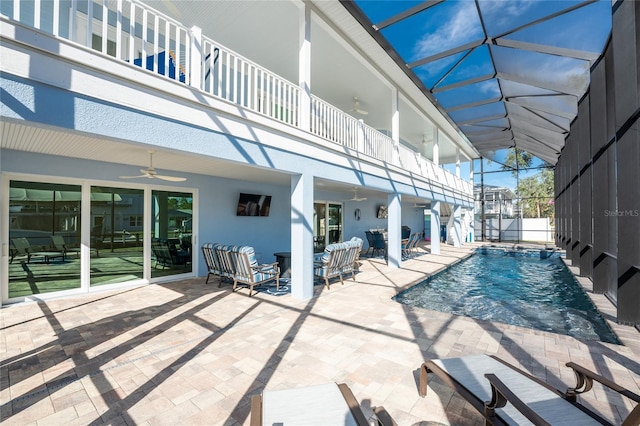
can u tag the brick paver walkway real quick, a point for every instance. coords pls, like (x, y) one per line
(187, 353)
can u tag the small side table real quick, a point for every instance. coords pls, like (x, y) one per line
(284, 263)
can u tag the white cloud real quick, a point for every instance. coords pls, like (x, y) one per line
(459, 28)
(489, 87)
(500, 13)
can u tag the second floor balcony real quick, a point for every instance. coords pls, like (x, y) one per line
(314, 77)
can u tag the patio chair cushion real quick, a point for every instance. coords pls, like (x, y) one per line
(476, 378)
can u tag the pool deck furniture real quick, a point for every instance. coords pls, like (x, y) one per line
(379, 243)
(211, 259)
(370, 241)
(318, 405)
(167, 253)
(247, 271)
(219, 261)
(338, 259)
(505, 395)
(22, 249)
(19, 250)
(59, 243)
(284, 263)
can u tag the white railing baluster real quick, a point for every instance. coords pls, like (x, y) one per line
(89, 24)
(156, 47)
(229, 79)
(242, 76)
(186, 69)
(73, 31)
(36, 14)
(256, 89)
(219, 71)
(167, 46)
(145, 34)
(132, 32)
(236, 86)
(177, 54)
(105, 26)
(119, 30)
(56, 18)
(16, 10)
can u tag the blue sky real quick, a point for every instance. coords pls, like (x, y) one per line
(455, 23)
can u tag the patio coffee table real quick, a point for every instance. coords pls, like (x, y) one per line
(48, 255)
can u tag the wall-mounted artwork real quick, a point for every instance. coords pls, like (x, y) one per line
(383, 212)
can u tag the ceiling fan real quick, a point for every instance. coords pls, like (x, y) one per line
(355, 196)
(151, 173)
(356, 107)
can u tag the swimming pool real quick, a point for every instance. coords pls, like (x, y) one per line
(527, 288)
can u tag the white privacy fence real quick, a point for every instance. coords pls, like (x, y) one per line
(136, 33)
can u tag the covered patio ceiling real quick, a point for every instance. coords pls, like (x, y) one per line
(508, 73)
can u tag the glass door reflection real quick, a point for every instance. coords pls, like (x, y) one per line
(44, 237)
(172, 227)
(327, 225)
(116, 235)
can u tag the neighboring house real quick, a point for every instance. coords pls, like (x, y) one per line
(104, 109)
(497, 201)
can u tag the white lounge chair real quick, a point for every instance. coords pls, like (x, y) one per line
(319, 405)
(506, 395)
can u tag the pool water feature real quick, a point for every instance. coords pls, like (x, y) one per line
(527, 288)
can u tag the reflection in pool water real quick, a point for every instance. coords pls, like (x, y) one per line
(513, 287)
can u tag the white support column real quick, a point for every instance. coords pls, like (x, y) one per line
(457, 162)
(435, 227)
(395, 125)
(302, 236)
(85, 239)
(4, 238)
(304, 66)
(196, 58)
(394, 231)
(457, 226)
(472, 231)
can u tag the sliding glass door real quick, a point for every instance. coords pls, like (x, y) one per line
(327, 225)
(172, 227)
(44, 233)
(116, 235)
(44, 245)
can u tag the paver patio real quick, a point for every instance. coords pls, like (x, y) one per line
(189, 353)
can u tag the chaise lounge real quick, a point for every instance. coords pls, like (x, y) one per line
(319, 405)
(21, 249)
(506, 395)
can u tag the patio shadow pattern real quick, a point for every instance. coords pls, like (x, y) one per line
(190, 353)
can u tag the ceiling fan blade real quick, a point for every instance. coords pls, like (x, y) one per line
(133, 177)
(151, 173)
(356, 107)
(171, 178)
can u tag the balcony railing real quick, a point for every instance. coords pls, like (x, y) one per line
(229, 76)
(136, 33)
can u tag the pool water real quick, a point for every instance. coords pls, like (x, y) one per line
(530, 289)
